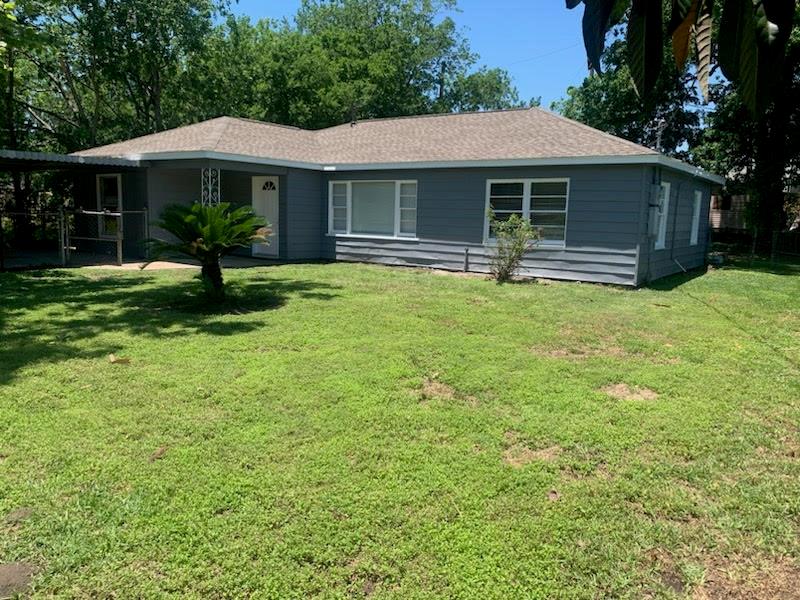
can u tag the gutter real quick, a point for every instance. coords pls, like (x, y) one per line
(636, 159)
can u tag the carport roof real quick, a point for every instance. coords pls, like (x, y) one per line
(44, 161)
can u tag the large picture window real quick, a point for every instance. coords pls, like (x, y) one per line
(543, 201)
(373, 208)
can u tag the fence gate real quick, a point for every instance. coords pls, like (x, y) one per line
(106, 233)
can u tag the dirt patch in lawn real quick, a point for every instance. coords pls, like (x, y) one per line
(432, 388)
(518, 454)
(622, 391)
(158, 454)
(581, 352)
(468, 274)
(791, 447)
(668, 572)
(15, 517)
(15, 578)
(737, 578)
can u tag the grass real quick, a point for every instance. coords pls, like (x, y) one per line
(348, 431)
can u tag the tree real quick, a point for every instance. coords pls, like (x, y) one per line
(608, 101)
(207, 234)
(758, 53)
(7, 19)
(345, 59)
(752, 37)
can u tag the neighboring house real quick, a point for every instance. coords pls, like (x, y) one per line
(728, 212)
(417, 190)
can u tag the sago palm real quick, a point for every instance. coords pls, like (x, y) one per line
(207, 233)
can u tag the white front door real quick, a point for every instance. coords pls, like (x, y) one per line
(265, 204)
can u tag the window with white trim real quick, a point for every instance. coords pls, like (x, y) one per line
(373, 208)
(543, 201)
(698, 203)
(662, 212)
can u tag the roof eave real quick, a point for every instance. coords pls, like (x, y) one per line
(56, 160)
(633, 159)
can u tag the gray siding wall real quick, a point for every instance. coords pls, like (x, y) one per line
(304, 215)
(178, 182)
(603, 223)
(660, 263)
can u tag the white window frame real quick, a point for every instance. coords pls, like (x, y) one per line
(99, 203)
(697, 209)
(662, 213)
(398, 183)
(527, 186)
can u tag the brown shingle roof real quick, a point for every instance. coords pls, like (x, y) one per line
(499, 135)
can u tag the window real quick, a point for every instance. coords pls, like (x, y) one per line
(109, 198)
(698, 199)
(723, 202)
(543, 201)
(373, 208)
(662, 211)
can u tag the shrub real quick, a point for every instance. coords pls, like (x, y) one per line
(206, 234)
(514, 237)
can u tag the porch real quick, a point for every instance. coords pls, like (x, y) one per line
(105, 216)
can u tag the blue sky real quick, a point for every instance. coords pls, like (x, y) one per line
(537, 41)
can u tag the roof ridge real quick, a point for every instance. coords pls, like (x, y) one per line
(427, 116)
(271, 123)
(223, 128)
(594, 130)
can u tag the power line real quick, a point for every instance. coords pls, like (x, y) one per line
(545, 55)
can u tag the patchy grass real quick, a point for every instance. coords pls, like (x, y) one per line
(349, 431)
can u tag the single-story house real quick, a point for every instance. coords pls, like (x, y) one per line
(417, 190)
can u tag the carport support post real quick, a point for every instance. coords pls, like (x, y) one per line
(146, 232)
(62, 246)
(119, 239)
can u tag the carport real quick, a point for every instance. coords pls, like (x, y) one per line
(88, 227)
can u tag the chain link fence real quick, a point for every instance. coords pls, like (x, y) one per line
(63, 237)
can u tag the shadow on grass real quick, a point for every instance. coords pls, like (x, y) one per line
(780, 266)
(669, 283)
(734, 263)
(73, 308)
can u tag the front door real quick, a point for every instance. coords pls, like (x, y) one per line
(265, 204)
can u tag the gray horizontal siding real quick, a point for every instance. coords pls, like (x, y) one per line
(594, 264)
(602, 222)
(665, 262)
(304, 215)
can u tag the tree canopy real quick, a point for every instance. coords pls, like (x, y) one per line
(644, 81)
(608, 101)
(106, 70)
(751, 37)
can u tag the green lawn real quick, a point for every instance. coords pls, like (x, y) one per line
(346, 431)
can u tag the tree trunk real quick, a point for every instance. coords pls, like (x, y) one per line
(212, 280)
(21, 222)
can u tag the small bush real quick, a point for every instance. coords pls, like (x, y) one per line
(514, 237)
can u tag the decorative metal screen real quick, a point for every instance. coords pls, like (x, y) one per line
(210, 189)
